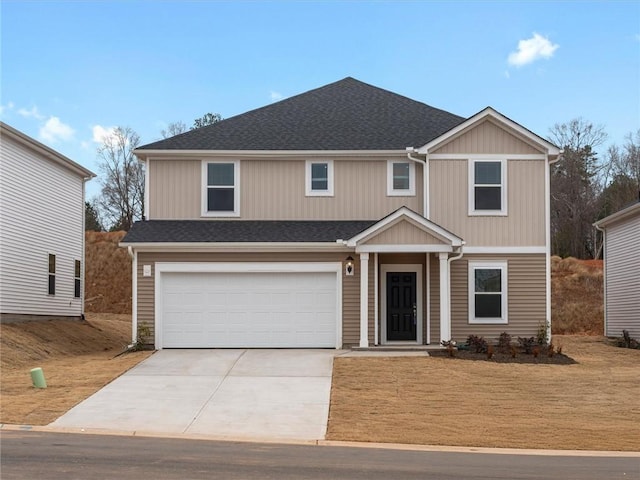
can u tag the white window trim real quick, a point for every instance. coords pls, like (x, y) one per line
(319, 193)
(236, 190)
(502, 266)
(411, 192)
(503, 188)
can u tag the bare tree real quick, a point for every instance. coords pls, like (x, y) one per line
(173, 129)
(122, 196)
(576, 183)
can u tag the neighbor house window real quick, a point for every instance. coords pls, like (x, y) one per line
(52, 274)
(487, 292)
(76, 279)
(319, 178)
(488, 190)
(401, 178)
(220, 189)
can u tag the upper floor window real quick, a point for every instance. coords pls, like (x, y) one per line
(319, 178)
(487, 292)
(487, 179)
(52, 274)
(401, 178)
(221, 189)
(76, 279)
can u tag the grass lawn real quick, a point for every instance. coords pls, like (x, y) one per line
(591, 405)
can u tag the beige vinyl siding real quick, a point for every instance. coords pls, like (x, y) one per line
(526, 297)
(487, 137)
(523, 226)
(42, 213)
(174, 189)
(275, 190)
(403, 233)
(350, 285)
(622, 267)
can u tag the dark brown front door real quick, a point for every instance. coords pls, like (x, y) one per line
(401, 306)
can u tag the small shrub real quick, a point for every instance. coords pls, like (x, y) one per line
(451, 351)
(626, 341)
(527, 343)
(541, 336)
(559, 350)
(550, 350)
(536, 351)
(504, 342)
(479, 344)
(514, 351)
(489, 352)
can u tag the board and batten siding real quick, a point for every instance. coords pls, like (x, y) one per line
(526, 290)
(42, 214)
(523, 226)
(622, 277)
(350, 285)
(272, 189)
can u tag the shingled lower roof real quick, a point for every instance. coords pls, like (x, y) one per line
(223, 231)
(345, 115)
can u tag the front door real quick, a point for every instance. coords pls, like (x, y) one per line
(401, 306)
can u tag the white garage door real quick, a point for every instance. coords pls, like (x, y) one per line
(235, 310)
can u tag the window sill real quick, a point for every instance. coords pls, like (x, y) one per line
(219, 214)
(488, 321)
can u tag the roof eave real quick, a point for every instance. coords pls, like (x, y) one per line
(337, 246)
(143, 154)
(618, 216)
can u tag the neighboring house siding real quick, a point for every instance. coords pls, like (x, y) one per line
(523, 226)
(526, 297)
(275, 190)
(42, 214)
(487, 138)
(622, 265)
(350, 284)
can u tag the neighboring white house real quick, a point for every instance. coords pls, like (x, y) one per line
(622, 271)
(41, 230)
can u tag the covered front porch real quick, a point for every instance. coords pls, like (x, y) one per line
(409, 285)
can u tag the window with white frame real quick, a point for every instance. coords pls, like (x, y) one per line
(401, 178)
(76, 279)
(488, 292)
(488, 187)
(319, 178)
(52, 274)
(221, 188)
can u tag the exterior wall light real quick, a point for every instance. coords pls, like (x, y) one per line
(349, 268)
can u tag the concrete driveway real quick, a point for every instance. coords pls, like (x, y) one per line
(259, 394)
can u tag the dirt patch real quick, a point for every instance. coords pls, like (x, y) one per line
(542, 359)
(108, 273)
(590, 405)
(78, 358)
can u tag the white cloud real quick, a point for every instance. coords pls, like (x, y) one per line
(7, 107)
(54, 130)
(275, 96)
(32, 112)
(101, 133)
(532, 49)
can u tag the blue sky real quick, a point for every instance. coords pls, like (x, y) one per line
(73, 69)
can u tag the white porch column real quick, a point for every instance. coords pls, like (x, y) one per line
(445, 300)
(364, 300)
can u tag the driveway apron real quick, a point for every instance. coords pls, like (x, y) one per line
(258, 394)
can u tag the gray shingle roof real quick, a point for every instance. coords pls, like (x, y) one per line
(196, 231)
(345, 115)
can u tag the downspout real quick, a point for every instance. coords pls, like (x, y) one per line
(449, 260)
(134, 294)
(547, 208)
(425, 177)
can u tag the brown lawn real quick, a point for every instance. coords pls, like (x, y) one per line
(591, 405)
(78, 358)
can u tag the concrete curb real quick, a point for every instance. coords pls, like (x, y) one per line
(325, 443)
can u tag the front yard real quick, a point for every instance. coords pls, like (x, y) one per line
(591, 405)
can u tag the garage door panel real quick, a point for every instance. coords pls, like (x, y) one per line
(249, 309)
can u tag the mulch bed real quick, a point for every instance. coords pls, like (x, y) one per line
(543, 358)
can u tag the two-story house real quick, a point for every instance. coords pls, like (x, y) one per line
(344, 216)
(41, 230)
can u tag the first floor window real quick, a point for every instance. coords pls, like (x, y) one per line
(76, 279)
(487, 292)
(220, 189)
(52, 274)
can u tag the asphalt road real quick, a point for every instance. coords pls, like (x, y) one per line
(37, 455)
